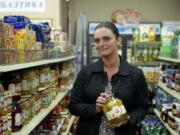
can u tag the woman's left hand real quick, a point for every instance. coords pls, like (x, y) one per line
(118, 125)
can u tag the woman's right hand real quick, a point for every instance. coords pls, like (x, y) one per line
(101, 100)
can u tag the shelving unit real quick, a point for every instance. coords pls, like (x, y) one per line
(169, 59)
(168, 90)
(173, 132)
(7, 68)
(41, 115)
(69, 125)
(149, 64)
(171, 92)
(44, 112)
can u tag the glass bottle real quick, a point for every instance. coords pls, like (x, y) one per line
(145, 54)
(54, 131)
(114, 109)
(136, 35)
(18, 85)
(174, 112)
(16, 114)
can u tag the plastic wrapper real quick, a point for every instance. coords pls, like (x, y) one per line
(126, 16)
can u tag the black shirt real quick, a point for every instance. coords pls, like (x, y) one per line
(128, 84)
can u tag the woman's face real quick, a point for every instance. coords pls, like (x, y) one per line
(105, 41)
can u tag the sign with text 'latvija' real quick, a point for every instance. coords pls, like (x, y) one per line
(22, 5)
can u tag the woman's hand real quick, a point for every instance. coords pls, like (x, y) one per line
(118, 125)
(101, 100)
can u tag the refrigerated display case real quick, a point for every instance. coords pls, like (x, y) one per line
(145, 46)
(170, 39)
(140, 36)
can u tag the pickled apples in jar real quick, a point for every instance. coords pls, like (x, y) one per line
(115, 111)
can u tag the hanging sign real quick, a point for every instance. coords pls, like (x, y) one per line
(22, 5)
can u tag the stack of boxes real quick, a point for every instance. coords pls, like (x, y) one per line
(15, 43)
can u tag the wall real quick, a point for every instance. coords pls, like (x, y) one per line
(52, 11)
(100, 10)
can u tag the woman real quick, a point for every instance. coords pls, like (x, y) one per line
(128, 84)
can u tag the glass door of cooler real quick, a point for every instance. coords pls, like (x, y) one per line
(170, 39)
(92, 54)
(145, 46)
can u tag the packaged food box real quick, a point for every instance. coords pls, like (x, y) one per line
(20, 44)
(1, 29)
(8, 30)
(9, 43)
(1, 42)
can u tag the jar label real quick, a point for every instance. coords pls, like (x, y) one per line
(18, 119)
(33, 83)
(115, 112)
(12, 88)
(18, 88)
(24, 85)
(42, 78)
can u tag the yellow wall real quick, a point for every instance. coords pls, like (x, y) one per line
(52, 11)
(152, 10)
(100, 10)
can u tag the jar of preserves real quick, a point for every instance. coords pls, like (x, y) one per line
(114, 109)
(42, 77)
(1, 87)
(15, 84)
(37, 78)
(1, 125)
(7, 101)
(32, 101)
(5, 125)
(174, 111)
(1, 100)
(9, 124)
(26, 110)
(26, 84)
(33, 82)
(35, 96)
(45, 98)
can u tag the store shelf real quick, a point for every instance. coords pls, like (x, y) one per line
(170, 91)
(7, 68)
(145, 64)
(69, 125)
(155, 43)
(41, 115)
(169, 59)
(95, 57)
(173, 132)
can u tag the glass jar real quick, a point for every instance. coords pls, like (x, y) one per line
(9, 124)
(26, 111)
(33, 82)
(45, 99)
(26, 83)
(114, 109)
(5, 125)
(42, 78)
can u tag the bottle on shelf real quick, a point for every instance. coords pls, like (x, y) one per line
(15, 84)
(145, 54)
(16, 113)
(53, 131)
(136, 35)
